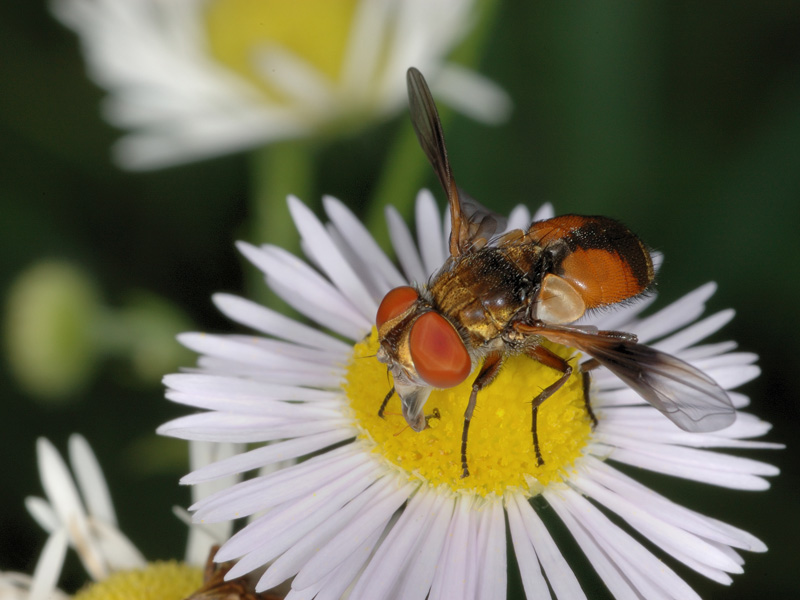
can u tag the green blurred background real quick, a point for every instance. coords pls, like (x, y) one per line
(682, 119)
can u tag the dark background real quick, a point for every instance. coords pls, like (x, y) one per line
(682, 119)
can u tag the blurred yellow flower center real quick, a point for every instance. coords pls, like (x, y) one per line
(158, 581)
(316, 31)
(500, 449)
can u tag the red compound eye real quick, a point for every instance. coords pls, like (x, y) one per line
(395, 303)
(438, 352)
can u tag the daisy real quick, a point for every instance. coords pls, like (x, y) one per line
(192, 79)
(78, 513)
(377, 510)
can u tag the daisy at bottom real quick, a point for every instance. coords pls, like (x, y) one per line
(77, 512)
(372, 509)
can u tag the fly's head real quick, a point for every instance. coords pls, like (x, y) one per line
(422, 349)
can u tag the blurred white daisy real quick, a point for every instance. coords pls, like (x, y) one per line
(78, 513)
(191, 79)
(379, 510)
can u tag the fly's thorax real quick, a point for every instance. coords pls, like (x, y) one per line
(484, 291)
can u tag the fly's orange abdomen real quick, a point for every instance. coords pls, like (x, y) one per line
(601, 276)
(600, 257)
(557, 228)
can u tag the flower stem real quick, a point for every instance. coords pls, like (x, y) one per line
(399, 182)
(277, 170)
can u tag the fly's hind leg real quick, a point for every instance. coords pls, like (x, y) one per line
(489, 370)
(554, 361)
(585, 368)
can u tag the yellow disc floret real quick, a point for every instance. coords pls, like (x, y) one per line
(315, 31)
(158, 581)
(500, 448)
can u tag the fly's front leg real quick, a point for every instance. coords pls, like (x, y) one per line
(554, 361)
(385, 402)
(489, 370)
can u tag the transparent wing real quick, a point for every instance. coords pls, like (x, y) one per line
(472, 223)
(688, 396)
(483, 223)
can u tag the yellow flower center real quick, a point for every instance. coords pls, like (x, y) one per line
(316, 31)
(158, 581)
(500, 450)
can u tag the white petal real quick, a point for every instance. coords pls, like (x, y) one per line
(650, 427)
(637, 563)
(333, 586)
(18, 586)
(668, 510)
(545, 211)
(293, 560)
(533, 580)
(456, 576)
(676, 315)
(391, 560)
(697, 332)
(473, 95)
(559, 573)
(48, 567)
(261, 493)
(429, 227)
(360, 65)
(617, 584)
(374, 281)
(362, 242)
(363, 526)
(299, 376)
(621, 317)
(193, 139)
(265, 407)
(257, 351)
(306, 291)
(325, 253)
(63, 495)
(730, 377)
(415, 37)
(416, 582)
(241, 388)
(708, 467)
(293, 77)
(291, 523)
(117, 550)
(492, 575)
(705, 350)
(202, 539)
(669, 537)
(255, 459)
(519, 218)
(91, 480)
(723, 360)
(42, 513)
(59, 488)
(404, 246)
(270, 322)
(224, 427)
